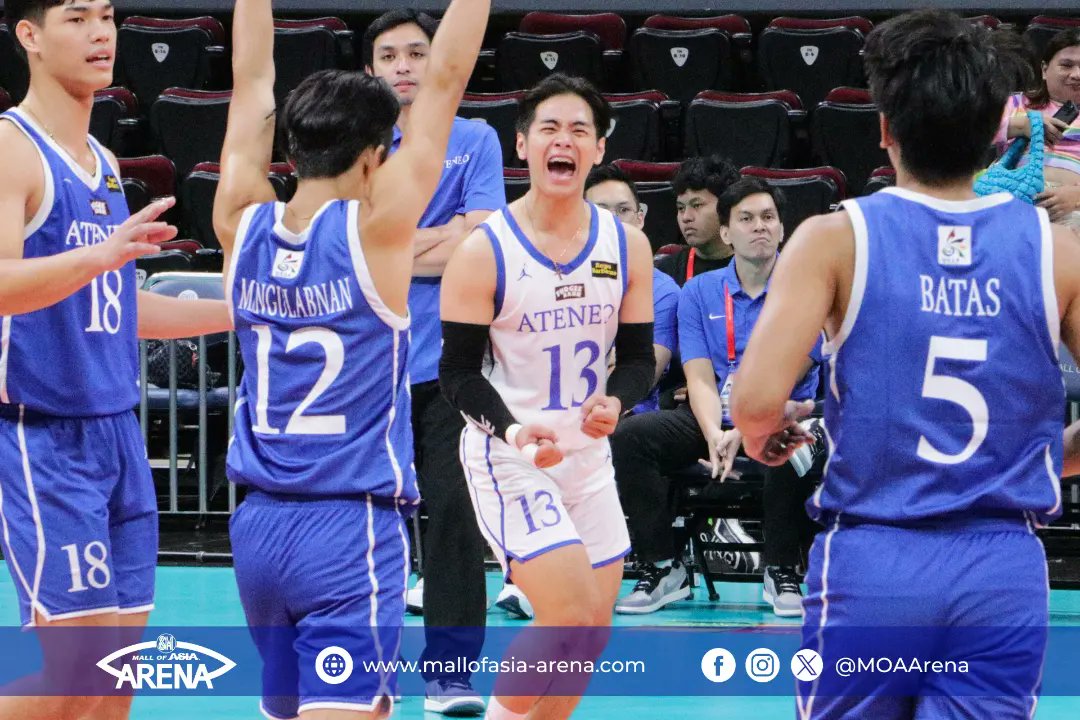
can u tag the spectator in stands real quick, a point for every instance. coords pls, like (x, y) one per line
(609, 187)
(452, 592)
(717, 312)
(1061, 165)
(698, 183)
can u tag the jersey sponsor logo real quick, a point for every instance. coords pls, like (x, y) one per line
(99, 207)
(954, 245)
(287, 264)
(605, 269)
(112, 184)
(570, 292)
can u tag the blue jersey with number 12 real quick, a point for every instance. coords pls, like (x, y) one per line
(323, 407)
(945, 397)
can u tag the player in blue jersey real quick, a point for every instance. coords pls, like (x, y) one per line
(77, 500)
(943, 311)
(318, 288)
(545, 287)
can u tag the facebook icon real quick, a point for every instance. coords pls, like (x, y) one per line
(718, 665)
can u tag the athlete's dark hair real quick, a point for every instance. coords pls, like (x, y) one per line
(332, 117)
(742, 189)
(713, 173)
(33, 10)
(611, 173)
(389, 21)
(942, 83)
(559, 84)
(1070, 37)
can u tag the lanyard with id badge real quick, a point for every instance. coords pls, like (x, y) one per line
(725, 391)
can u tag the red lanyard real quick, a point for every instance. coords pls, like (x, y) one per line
(729, 319)
(690, 265)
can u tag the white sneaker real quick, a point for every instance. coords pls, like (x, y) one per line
(657, 588)
(514, 602)
(414, 598)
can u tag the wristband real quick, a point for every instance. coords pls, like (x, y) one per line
(529, 452)
(512, 433)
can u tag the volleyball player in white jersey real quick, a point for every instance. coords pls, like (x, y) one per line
(550, 283)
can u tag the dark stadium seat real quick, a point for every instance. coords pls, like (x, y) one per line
(811, 57)
(515, 182)
(807, 191)
(498, 110)
(1043, 27)
(637, 125)
(746, 128)
(189, 126)
(682, 63)
(653, 182)
(648, 171)
(155, 176)
(157, 53)
(734, 25)
(115, 120)
(197, 201)
(165, 261)
(609, 28)
(14, 72)
(302, 47)
(845, 133)
(136, 193)
(523, 59)
(988, 20)
(880, 179)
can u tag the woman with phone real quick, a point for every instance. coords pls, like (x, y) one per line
(1057, 97)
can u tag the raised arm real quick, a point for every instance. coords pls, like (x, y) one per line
(418, 163)
(249, 135)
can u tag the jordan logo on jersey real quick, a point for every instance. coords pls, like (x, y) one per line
(287, 263)
(954, 245)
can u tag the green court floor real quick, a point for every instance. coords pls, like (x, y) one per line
(201, 596)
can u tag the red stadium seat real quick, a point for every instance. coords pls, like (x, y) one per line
(189, 126)
(812, 56)
(844, 132)
(157, 53)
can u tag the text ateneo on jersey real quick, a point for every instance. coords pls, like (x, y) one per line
(83, 232)
(305, 301)
(960, 297)
(562, 318)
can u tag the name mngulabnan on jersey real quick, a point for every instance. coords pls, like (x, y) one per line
(304, 301)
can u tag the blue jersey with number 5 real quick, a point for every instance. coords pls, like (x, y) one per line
(944, 393)
(323, 407)
(80, 356)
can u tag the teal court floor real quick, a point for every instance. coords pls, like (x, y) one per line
(207, 596)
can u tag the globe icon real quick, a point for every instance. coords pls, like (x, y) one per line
(334, 665)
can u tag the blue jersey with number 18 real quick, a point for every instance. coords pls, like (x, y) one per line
(945, 397)
(323, 407)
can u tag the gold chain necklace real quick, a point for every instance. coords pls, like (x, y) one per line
(52, 136)
(571, 243)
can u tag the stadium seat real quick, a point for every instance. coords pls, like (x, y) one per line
(734, 25)
(807, 191)
(989, 21)
(189, 126)
(609, 28)
(845, 133)
(156, 53)
(165, 261)
(811, 57)
(682, 63)
(637, 125)
(115, 121)
(197, 202)
(14, 72)
(746, 128)
(498, 110)
(136, 193)
(146, 178)
(515, 182)
(653, 183)
(1043, 27)
(523, 59)
(880, 178)
(302, 47)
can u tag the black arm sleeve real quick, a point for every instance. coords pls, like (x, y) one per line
(635, 364)
(462, 380)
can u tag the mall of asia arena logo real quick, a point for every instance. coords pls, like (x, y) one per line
(166, 664)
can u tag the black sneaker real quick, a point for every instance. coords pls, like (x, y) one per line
(782, 591)
(805, 457)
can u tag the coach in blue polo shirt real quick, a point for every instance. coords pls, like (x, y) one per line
(717, 312)
(453, 597)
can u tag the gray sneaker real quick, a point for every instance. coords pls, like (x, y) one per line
(783, 592)
(657, 588)
(805, 457)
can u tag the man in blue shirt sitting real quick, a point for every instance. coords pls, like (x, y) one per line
(717, 311)
(452, 594)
